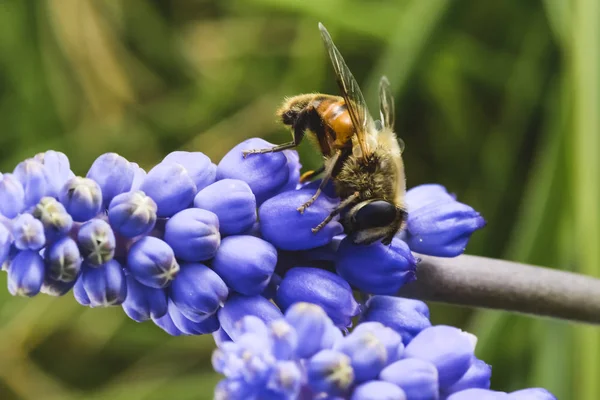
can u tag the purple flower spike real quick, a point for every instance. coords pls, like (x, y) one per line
(58, 170)
(246, 263)
(406, 316)
(478, 376)
(446, 347)
(208, 324)
(197, 291)
(152, 262)
(368, 354)
(232, 201)
(531, 394)
(166, 324)
(311, 324)
(113, 173)
(5, 243)
(82, 198)
(193, 234)
(330, 371)
(437, 224)
(35, 180)
(139, 174)
(142, 302)
(28, 233)
(480, 394)
(238, 306)
(376, 268)
(80, 294)
(132, 214)
(202, 171)
(379, 390)
(63, 260)
(280, 214)
(266, 174)
(323, 288)
(105, 285)
(12, 196)
(57, 222)
(97, 242)
(56, 288)
(26, 274)
(170, 186)
(418, 378)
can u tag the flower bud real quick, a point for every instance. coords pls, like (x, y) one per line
(237, 306)
(330, 371)
(80, 294)
(417, 378)
(114, 175)
(438, 225)
(197, 290)
(294, 167)
(220, 337)
(82, 198)
(152, 262)
(477, 376)
(56, 288)
(367, 353)
(284, 381)
(208, 324)
(58, 170)
(406, 316)
(166, 324)
(246, 263)
(379, 390)
(5, 243)
(193, 234)
(142, 302)
(12, 196)
(97, 242)
(132, 213)
(35, 180)
(233, 389)
(376, 268)
(317, 286)
(531, 394)
(28, 233)
(446, 347)
(233, 203)
(480, 394)
(266, 174)
(284, 339)
(170, 186)
(26, 274)
(280, 214)
(63, 260)
(202, 171)
(104, 285)
(387, 336)
(252, 324)
(57, 222)
(311, 324)
(139, 174)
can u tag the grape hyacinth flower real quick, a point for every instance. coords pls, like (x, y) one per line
(199, 247)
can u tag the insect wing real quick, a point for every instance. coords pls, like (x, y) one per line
(386, 107)
(355, 102)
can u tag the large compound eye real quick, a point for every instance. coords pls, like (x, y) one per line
(376, 214)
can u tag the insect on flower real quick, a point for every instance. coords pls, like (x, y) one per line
(362, 158)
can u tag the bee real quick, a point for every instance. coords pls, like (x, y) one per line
(362, 157)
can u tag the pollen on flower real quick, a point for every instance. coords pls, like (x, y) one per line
(341, 373)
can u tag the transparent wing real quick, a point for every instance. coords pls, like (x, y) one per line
(355, 102)
(386, 107)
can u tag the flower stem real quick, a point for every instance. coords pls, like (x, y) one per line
(490, 283)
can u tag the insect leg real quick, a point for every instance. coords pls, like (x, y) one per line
(300, 126)
(336, 211)
(335, 159)
(308, 175)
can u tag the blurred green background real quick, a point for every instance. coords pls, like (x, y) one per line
(498, 101)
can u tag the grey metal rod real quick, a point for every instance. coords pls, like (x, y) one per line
(504, 285)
